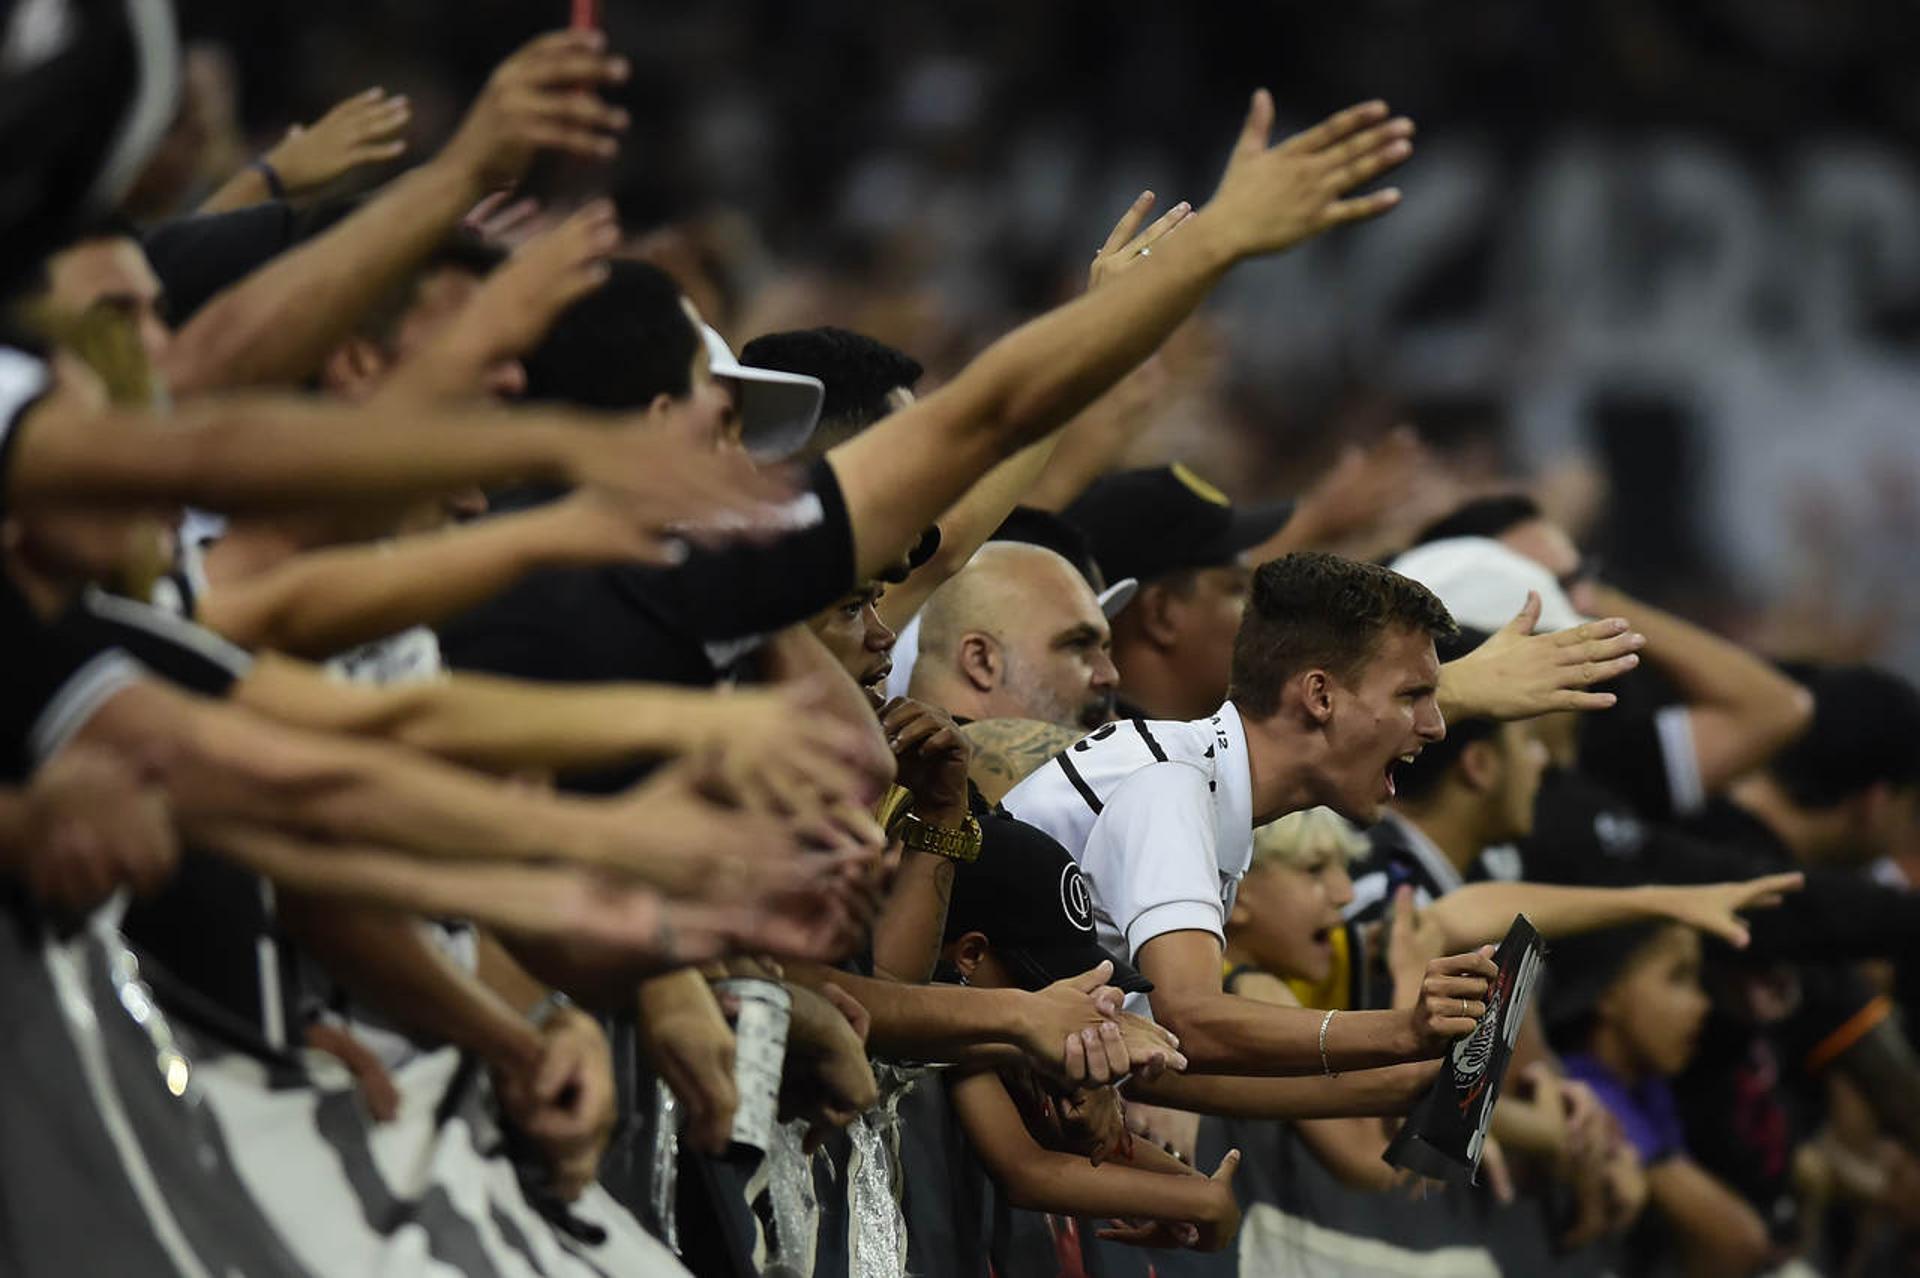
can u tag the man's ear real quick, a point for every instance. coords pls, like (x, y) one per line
(1316, 696)
(1155, 612)
(981, 664)
(355, 368)
(1482, 766)
(968, 951)
(660, 409)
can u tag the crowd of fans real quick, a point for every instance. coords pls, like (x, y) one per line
(499, 783)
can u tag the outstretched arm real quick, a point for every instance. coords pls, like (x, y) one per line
(1739, 708)
(323, 602)
(1223, 1033)
(275, 326)
(1482, 912)
(967, 524)
(224, 762)
(904, 471)
(1040, 1179)
(1517, 674)
(252, 451)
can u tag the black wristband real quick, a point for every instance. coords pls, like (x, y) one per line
(271, 176)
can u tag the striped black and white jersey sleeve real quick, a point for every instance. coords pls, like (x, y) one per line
(54, 681)
(1158, 814)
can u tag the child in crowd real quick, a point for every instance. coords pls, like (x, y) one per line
(1627, 1009)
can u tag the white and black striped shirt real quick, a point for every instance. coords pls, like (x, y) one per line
(1159, 814)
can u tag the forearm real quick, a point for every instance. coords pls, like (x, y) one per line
(965, 527)
(1352, 1149)
(1224, 1034)
(243, 190)
(505, 724)
(323, 602)
(1742, 708)
(276, 325)
(912, 923)
(1717, 1230)
(1480, 913)
(223, 762)
(1363, 1093)
(917, 463)
(388, 964)
(936, 1024)
(254, 451)
(1040, 1179)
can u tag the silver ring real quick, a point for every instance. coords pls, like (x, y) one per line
(1146, 252)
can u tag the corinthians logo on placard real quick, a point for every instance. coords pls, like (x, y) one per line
(1074, 897)
(1472, 1054)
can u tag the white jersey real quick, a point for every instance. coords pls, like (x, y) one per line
(1159, 814)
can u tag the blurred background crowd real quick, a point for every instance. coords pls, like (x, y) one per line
(1662, 260)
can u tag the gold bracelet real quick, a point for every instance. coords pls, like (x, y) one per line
(1324, 1063)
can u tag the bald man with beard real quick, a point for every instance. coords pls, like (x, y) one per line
(1017, 633)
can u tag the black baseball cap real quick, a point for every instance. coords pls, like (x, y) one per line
(1164, 519)
(1033, 904)
(1032, 526)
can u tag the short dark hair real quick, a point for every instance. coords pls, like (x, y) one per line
(1865, 732)
(1489, 516)
(619, 346)
(858, 371)
(1311, 609)
(1415, 781)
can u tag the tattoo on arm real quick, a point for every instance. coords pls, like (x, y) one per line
(1006, 750)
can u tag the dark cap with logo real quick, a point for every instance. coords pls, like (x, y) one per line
(1165, 519)
(1029, 899)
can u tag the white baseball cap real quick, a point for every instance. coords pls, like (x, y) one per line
(778, 411)
(1484, 583)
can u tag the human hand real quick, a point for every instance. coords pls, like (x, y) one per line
(1715, 907)
(1071, 1032)
(1517, 674)
(514, 308)
(683, 832)
(364, 129)
(686, 1040)
(1177, 1131)
(1211, 1232)
(1274, 196)
(565, 1104)
(94, 826)
(1127, 246)
(506, 221)
(1453, 998)
(543, 97)
(688, 489)
(778, 746)
(932, 756)
(1094, 1122)
(827, 1080)
(1415, 939)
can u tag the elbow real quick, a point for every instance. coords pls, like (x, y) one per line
(1744, 1251)
(1793, 715)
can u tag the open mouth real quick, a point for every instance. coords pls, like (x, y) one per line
(1408, 757)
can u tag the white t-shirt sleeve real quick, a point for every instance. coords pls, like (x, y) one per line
(1151, 856)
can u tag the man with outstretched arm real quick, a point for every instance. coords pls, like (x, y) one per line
(1335, 681)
